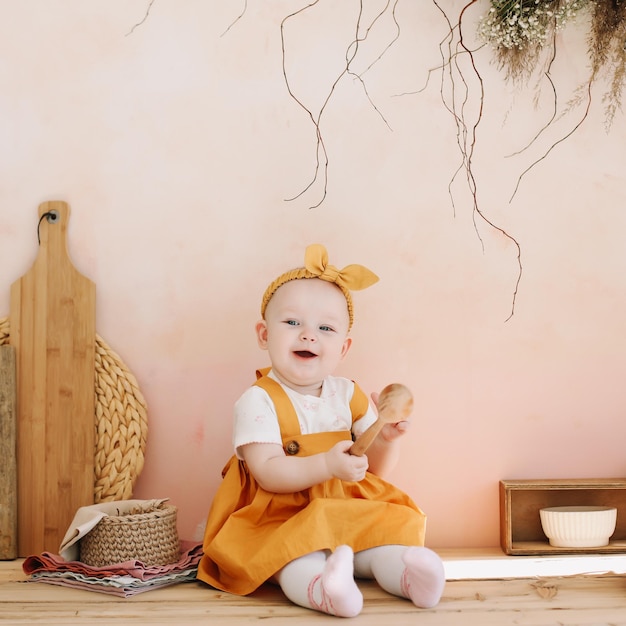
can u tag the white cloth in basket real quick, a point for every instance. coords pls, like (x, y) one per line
(87, 518)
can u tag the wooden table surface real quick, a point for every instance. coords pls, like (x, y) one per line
(574, 600)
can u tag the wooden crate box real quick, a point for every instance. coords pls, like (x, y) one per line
(520, 501)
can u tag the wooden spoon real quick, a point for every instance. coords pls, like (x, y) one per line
(395, 404)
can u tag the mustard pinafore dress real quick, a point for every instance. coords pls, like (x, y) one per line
(252, 533)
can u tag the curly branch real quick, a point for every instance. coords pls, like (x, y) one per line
(321, 155)
(145, 17)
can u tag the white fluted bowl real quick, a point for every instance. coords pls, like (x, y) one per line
(578, 526)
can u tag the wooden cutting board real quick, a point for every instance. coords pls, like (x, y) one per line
(52, 317)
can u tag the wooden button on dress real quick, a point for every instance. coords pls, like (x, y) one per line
(293, 447)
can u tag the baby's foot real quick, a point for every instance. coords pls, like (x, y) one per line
(424, 578)
(334, 591)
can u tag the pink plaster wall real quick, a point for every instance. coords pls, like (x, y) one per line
(176, 144)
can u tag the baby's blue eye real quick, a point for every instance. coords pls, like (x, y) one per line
(326, 328)
(291, 322)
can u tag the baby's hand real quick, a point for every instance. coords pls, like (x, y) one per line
(390, 432)
(345, 466)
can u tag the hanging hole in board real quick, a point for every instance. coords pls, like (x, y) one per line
(51, 216)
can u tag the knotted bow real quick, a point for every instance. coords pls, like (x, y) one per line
(351, 278)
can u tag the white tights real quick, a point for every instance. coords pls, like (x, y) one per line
(325, 581)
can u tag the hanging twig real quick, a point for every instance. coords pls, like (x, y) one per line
(321, 155)
(243, 12)
(145, 17)
(556, 143)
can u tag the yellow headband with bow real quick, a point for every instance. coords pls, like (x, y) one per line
(350, 278)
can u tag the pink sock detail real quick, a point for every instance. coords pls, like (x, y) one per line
(324, 605)
(335, 587)
(405, 584)
(423, 578)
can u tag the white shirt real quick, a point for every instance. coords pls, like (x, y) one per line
(256, 420)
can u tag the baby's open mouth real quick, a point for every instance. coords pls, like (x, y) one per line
(305, 354)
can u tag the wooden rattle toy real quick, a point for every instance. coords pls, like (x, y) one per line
(395, 404)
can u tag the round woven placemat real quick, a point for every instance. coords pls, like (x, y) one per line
(121, 421)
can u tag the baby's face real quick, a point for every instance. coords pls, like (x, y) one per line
(305, 332)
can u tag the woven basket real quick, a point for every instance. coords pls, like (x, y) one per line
(147, 536)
